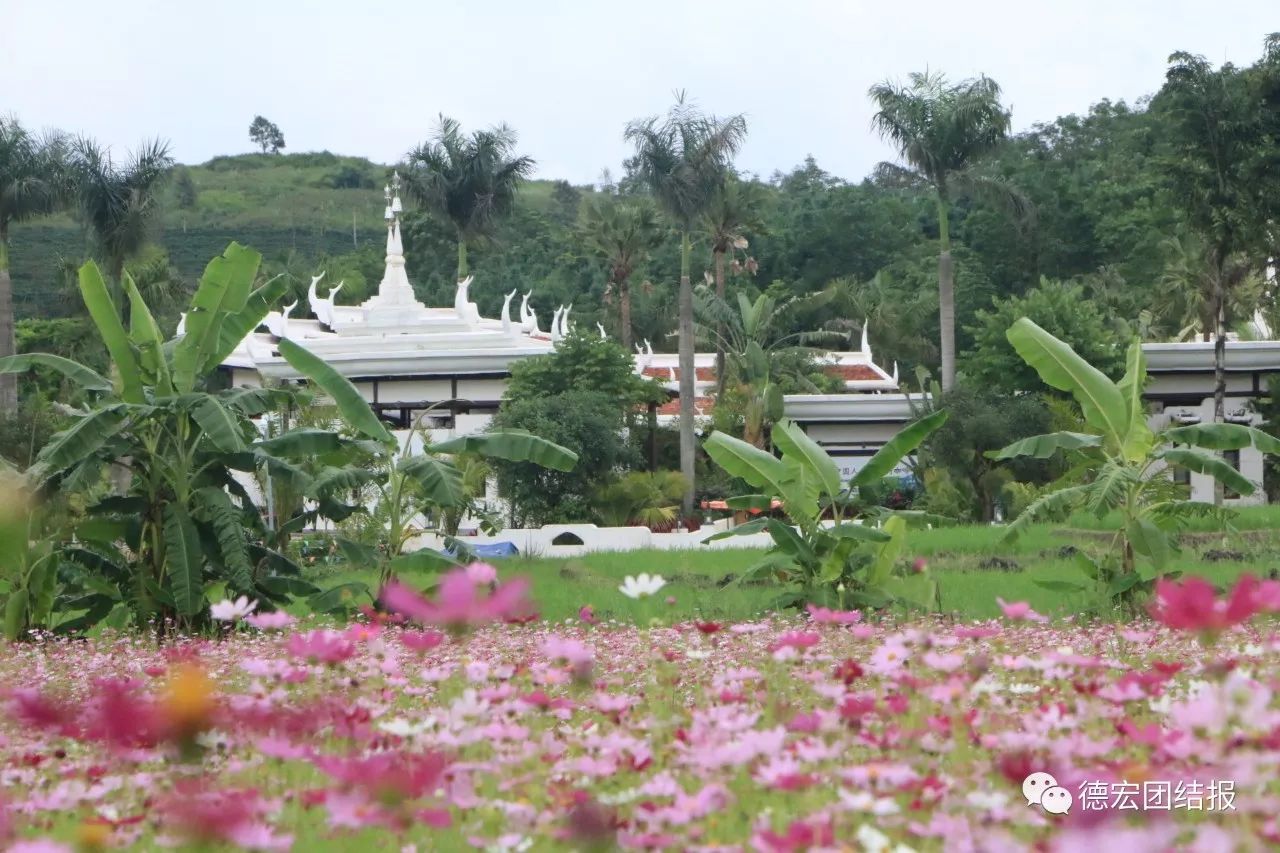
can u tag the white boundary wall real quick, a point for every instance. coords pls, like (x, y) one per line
(537, 542)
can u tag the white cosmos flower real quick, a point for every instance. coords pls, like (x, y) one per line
(232, 611)
(641, 585)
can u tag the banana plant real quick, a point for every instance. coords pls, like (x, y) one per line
(178, 521)
(28, 559)
(1123, 465)
(405, 484)
(833, 564)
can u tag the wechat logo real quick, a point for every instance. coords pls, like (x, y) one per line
(1042, 790)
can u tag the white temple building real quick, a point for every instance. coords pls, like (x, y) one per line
(448, 367)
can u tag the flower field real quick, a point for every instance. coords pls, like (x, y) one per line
(461, 722)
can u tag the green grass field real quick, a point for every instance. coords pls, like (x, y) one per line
(973, 566)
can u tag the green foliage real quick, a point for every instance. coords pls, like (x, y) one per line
(980, 421)
(640, 497)
(584, 422)
(1061, 309)
(583, 362)
(467, 182)
(831, 564)
(177, 520)
(1123, 467)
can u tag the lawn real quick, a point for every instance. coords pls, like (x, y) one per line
(972, 564)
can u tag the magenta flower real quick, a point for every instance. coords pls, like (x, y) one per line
(321, 646)
(827, 616)
(1193, 604)
(798, 640)
(459, 602)
(421, 641)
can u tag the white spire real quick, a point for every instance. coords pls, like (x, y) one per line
(557, 331)
(866, 345)
(395, 295)
(506, 313)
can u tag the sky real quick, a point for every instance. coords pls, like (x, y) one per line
(370, 77)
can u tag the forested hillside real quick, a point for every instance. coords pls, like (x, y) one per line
(1100, 216)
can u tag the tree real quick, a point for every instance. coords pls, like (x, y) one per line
(185, 188)
(31, 184)
(682, 159)
(584, 422)
(266, 135)
(583, 362)
(1187, 286)
(981, 420)
(733, 211)
(622, 232)
(1222, 163)
(942, 130)
(119, 202)
(469, 182)
(1064, 311)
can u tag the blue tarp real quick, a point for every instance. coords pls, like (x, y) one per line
(492, 550)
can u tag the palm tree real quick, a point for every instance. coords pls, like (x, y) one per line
(733, 211)
(467, 181)
(1187, 284)
(119, 202)
(682, 158)
(942, 130)
(623, 233)
(31, 184)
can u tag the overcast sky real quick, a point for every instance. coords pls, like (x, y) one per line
(369, 77)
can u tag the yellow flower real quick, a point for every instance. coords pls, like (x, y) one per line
(92, 836)
(188, 698)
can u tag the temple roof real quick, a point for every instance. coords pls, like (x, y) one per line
(394, 334)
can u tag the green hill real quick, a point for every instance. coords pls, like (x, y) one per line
(314, 204)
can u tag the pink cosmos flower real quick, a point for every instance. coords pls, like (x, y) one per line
(1192, 605)
(321, 646)
(387, 776)
(482, 574)
(1020, 611)
(459, 602)
(568, 650)
(421, 641)
(798, 640)
(272, 621)
(826, 616)
(587, 614)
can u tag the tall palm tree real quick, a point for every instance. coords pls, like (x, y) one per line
(942, 130)
(31, 184)
(733, 211)
(623, 233)
(682, 158)
(119, 202)
(467, 181)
